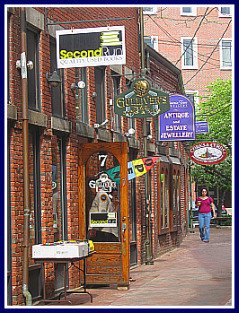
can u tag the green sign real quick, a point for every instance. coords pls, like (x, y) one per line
(141, 101)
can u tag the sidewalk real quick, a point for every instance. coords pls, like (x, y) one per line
(196, 274)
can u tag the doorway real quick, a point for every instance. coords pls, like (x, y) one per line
(103, 211)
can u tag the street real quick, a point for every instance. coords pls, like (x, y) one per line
(195, 274)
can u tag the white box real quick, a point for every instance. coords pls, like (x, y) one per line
(60, 251)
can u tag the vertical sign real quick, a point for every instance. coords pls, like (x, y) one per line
(177, 124)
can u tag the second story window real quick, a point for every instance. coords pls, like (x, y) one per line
(225, 11)
(33, 75)
(189, 53)
(190, 11)
(100, 94)
(57, 93)
(150, 10)
(116, 84)
(152, 41)
(226, 54)
(81, 96)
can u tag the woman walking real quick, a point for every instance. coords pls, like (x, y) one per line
(205, 205)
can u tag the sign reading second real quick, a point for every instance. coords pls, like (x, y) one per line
(141, 101)
(91, 47)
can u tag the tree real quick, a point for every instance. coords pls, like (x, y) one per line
(217, 110)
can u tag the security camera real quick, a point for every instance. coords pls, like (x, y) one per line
(149, 137)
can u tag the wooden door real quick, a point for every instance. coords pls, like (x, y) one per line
(98, 196)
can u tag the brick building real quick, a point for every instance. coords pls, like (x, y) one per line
(196, 39)
(48, 200)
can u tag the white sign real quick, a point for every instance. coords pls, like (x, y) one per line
(90, 47)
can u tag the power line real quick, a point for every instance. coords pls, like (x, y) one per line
(191, 41)
(210, 54)
(176, 41)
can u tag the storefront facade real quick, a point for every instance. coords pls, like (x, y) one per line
(63, 126)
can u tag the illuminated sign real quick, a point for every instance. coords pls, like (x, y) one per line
(99, 46)
(208, 153)
(141, 101)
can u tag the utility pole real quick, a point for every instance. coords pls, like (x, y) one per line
(148, 243)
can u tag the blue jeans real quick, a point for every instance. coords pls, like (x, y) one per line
(204, 225)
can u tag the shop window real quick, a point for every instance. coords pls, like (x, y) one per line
(100, 94)
(33, 74)
(189, 53)
(103, 198)
(81, 95)
(226, 54)
(164, 200)
(59, 188)
(57, 93)
(175, 198)
(116, 84)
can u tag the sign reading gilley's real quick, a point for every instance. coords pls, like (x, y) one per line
(90, 47)
(141, 101)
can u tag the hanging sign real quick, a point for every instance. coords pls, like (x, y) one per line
(100, 46)
(201, 127)
(208, 153)
(136, 168)
(178, 123)
(141, 101)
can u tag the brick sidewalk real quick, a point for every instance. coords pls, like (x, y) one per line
(196, 274)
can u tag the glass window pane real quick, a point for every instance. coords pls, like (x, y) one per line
(187, 9)
(188, 52)
(226, 53)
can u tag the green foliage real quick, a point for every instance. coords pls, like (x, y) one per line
(216, 109)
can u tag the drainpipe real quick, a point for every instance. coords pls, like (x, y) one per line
(26, 199)
(148, 244)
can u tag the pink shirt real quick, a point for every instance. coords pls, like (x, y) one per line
(205, 206)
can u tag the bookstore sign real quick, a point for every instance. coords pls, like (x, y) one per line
(100, 46)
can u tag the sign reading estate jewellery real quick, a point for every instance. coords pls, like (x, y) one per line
(90, 47)
(208, 153)
(141, 101)
(178, 123)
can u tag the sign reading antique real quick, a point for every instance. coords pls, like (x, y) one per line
(141, 101)
(177, 124)
(201, 127)
(208, 153)
(90, 47)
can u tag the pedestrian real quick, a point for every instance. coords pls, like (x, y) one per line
(205, 205)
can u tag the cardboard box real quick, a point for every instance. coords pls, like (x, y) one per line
(60, 251)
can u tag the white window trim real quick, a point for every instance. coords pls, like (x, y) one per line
(195, 54)
(193, 13)
(153, 7)
(224, 15)
(221, 66)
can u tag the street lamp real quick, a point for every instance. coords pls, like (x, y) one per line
(53, 79)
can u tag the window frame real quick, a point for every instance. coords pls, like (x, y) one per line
(35, 70)
(194, 56)
(220, 14)
(154, 42)
(100, 95)
(154, 10)
(193, 13)
(221, 54)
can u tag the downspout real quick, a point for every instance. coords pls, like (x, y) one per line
(26, 198)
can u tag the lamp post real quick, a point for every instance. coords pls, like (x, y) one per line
(148, 245)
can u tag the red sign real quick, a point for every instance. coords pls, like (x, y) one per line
(208, 153)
